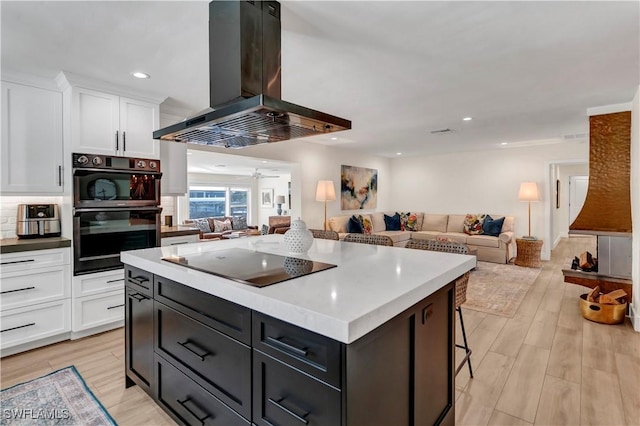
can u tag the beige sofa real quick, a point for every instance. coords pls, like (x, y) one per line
(498, 249)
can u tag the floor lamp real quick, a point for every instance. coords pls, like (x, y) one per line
(325, 191)
(529, 193)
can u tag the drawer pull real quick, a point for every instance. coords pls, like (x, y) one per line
(17, 261)
(189, 342)
(177, 244)
(18, 289)
(284, 345)
(200, 419)
(115, 306)
(139, 280)
(139, 297)
(115, 281)
(301, 419)
(20, 326)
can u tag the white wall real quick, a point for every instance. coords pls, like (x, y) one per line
(635, 207)
(280, 186)
(9, 210)
(311, 163)
(481, 182)
(560, 215)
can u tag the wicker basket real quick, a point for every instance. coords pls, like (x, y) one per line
(528, 253)
(605, 314)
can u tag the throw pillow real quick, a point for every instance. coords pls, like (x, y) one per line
(492, 226)
(404, 218)
(392, 223)
(354, 226)
(473, 224)
(412, 222)
(367, 226)
(222, 225)
(239, 223)
(202, 224)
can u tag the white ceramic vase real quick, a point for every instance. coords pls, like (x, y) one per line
(298, 238)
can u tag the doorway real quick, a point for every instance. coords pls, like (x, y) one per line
(578, 186)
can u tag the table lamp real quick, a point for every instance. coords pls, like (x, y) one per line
(279, 203)
(325, 191)
(529, 193)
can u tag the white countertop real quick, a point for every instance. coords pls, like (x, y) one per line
(371, 284)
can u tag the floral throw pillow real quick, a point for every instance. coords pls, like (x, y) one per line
(222, 225)
(239, 223)
(473, 224)
(367, 226)
(202, 224)
(412, 222)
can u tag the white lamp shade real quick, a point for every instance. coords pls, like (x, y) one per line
(279, 199)
(325, 191)
(528, 192)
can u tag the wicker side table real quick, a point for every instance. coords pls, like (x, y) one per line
(528, 253)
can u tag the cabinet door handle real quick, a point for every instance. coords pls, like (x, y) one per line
(18, 289)
(189, 342)
(301, 419)
(115, 281)
(177, 244)
(277, 341)
(139, 280)
(200, 419)
(124, 140)
(116, 140)
(427, 312)
(59, 175)
(139, 297)
(17, 261)
(20, 326)
(115, 306)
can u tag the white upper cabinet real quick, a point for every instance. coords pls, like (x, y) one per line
(32, 146)
(108, 124)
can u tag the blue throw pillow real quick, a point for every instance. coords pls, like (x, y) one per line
(392, 223)
(354, 226)
(492, 226)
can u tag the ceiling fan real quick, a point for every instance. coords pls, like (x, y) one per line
(257, 175)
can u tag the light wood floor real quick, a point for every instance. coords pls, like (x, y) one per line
(546, 365)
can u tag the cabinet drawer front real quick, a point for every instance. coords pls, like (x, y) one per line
(222, 364)
(100, 282)
(285, 396)
(36, 286)
(139, 279)
(310, 352)
(25, 261)
(92, 311)
(222, 315)
(183, 239)
(34, 322)
(187, 401)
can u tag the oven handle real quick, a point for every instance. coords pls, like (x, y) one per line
(77, 211)
(83, 171)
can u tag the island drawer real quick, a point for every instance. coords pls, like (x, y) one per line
(219, 363)
(227, 317)
(286, 396)
(139, 279)
(187, 402)
(310, 352)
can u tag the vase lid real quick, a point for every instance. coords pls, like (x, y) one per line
(298, 224)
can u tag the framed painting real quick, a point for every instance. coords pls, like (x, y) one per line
(266, 195)
(358, 188)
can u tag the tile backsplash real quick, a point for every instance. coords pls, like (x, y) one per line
(9, 210)
(168, 205)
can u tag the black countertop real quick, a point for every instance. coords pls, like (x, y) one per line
(16, 245)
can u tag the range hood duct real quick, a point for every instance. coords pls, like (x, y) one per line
(607, 206)
(244, 74)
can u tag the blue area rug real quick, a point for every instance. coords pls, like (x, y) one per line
(59, 398)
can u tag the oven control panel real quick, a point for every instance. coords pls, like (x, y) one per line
(94, 161)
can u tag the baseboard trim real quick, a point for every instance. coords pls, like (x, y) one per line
(635, 318)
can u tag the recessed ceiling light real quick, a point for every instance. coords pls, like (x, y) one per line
(138, 74)
(334, 138)
(503, 143)
(467, 119)
(221, 165)
(264, 161)
(398, 153)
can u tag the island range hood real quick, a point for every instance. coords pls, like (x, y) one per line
(244, 84)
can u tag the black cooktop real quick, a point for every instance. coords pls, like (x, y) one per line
(249, 267)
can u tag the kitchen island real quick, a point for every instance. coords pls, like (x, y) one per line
(370, 341)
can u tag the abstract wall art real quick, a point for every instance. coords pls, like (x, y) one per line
(359, 188)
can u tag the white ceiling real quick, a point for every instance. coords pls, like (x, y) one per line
(199, 160)
(525, 71)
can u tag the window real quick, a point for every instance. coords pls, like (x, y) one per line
(207, 201)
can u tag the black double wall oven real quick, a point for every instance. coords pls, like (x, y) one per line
(116, 208)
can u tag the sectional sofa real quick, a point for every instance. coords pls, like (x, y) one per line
(498, 249)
